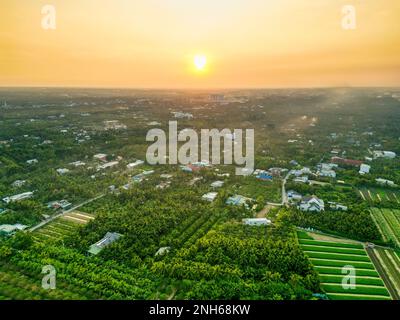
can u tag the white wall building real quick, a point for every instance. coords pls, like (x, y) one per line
(257, 221)
(210, 196)
(312, 204)
(18, 197)
(135, 164)
(364, 169)
(385, 182)
(384, 154)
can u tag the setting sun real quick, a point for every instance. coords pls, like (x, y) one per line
(200, 62)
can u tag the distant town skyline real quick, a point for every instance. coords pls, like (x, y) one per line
(237, 43)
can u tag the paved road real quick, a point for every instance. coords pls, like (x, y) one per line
(43, 223)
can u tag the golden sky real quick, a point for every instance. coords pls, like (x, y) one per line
(248, 43)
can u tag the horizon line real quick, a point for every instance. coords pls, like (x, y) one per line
(196, 88)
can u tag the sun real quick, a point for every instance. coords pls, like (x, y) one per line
(200, 62)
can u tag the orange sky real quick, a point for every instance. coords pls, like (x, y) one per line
(248, 43)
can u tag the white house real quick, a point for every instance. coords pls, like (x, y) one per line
(78, 164)
(18, 183)
(257, 221)
(337, 206)
(301, 172)
(364, 169)
(210, 196)
(384, 154)
(108, 239)
(312, 204)
(114, 125)
(162, 251)
(385, 182)
(62, 171)
(32, 161)
(107, 165)
(328, 166)
(327, 173)
(18, 197)
(10, 229)
(166, 176)
(294, 196)
(302, 179)
(100, 156)
(217, 184)
(135, 164)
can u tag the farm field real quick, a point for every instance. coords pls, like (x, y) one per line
(21, 277)
(379, 195)
(329, 258)
(62, 227)
(388, 223)
(390, 262)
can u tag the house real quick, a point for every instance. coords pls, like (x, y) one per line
(18, 197)
(135, 164)
(312, 204)
(327, 173)
(293, 163)
(337, 206)
(301, 172)
(257, 222)
(384, 154)
(9, 230)
(77, 164)
(335, 151)
(18, 183)
(276, 172)
(303, 179)
(100, 156)
(140, 177)
(182, 115)
(264, 176)
(114, 125)
(201, 164)
(62, 171)
(327, 166)
(62, 204)
(166, 176)
(238, 200)
(127, 186)
(162, 251)
(163, 185)
(32, 161)
(107, 165)
(217, 184)
(186, 169)
(108, 239)
(194, 180)
(294, 196)
(364, 169)
(210, 196)
(385, 182)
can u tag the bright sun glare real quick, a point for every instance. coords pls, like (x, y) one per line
(200, 62)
